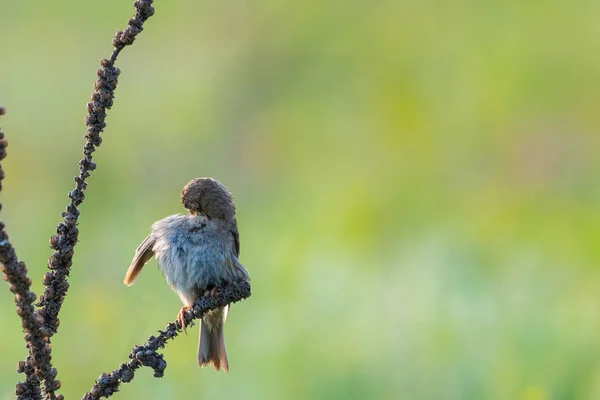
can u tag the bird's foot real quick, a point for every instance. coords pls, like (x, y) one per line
(181, 317)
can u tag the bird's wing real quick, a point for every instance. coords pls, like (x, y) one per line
(143, 254)
(236, 240)
(236, 246)
(236, 269)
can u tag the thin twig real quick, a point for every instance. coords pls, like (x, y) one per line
(147, 355)
(15, 272)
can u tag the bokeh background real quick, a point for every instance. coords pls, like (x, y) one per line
(417, 191)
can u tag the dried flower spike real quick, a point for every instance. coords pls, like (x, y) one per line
(148, 356)
(15, 272)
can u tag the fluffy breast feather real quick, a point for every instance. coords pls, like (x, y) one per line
(193, 251)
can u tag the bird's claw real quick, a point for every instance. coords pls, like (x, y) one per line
(181, 317)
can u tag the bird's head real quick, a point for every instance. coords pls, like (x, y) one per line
(207, 196)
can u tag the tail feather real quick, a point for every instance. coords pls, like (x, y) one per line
(211, 345)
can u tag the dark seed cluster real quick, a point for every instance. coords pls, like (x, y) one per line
(143, 11)
(38, 364)
(147, 355)
(66, 233)
(30, 389)
(64, 241)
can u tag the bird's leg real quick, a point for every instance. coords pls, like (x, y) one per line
(181, 317)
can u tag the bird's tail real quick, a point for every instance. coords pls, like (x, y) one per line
(211, 346)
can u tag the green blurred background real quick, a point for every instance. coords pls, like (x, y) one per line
(416, 182)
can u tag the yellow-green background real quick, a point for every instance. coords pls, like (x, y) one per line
(416, 182)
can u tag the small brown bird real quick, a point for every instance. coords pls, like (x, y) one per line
(197, 252)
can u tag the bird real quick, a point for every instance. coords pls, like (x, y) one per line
(197, 252)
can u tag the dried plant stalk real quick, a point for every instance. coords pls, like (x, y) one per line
(67, 233)
(147, 355)
(41, 326)
(15, 272)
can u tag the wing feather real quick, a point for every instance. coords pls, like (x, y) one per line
(236, 240)
(143, 254)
